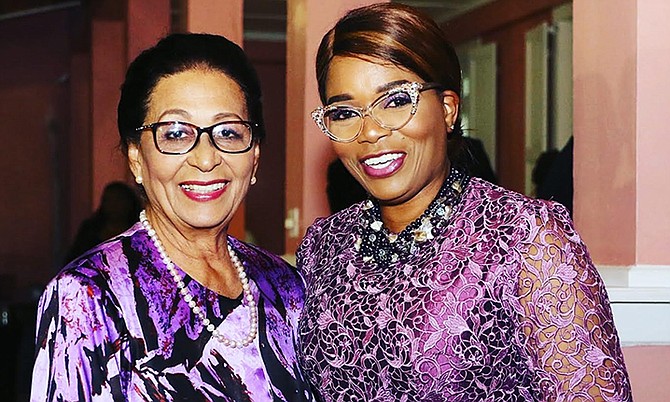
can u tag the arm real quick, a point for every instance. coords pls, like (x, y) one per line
(77, 346)
(567, 323)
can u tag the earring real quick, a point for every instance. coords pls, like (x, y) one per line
(253, 180)
(138, 179)
(451, 127)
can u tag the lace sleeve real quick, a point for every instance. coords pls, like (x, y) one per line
(567, 327)
(305, 253)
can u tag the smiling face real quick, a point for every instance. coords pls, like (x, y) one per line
(395, 166)
(203, 188)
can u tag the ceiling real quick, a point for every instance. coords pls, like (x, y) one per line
(266, 19)
(263, 19)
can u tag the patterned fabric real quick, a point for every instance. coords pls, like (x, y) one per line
(112, 326)
(504, 305)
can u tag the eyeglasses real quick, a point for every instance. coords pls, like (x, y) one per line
(391, 111)
(179, 138)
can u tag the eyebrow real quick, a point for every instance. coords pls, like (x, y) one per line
(186, 115)
(380, 89)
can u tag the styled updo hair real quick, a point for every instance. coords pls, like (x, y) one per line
(178, 53)
(399, 35)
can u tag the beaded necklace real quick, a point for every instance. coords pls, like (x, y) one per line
(190, 300)
(377, 244)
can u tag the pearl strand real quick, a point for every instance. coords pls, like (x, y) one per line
(183, 290)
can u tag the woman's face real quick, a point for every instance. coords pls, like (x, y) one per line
(395, 166)
(203, 188)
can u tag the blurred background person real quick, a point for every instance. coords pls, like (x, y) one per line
(542, 165)
(557, 183)
(118, 210)
(174, 308)
(341, 187)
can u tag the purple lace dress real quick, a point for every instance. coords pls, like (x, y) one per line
(112, 327)
(503, 304)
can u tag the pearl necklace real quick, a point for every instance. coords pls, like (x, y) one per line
(197, 310)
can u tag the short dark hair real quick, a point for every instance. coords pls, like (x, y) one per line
(398, 35)
(180, 52)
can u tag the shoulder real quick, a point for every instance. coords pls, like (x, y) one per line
(102, 268)
(493, 202)
(341, 223)
(328, 235)
(110, 253)
(275, 277)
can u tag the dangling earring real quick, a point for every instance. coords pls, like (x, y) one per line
(253, 180)
(138, 180)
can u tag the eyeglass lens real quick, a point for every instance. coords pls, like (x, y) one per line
(180, 138)
(391, 111)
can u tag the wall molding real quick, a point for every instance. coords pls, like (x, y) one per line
(640, 300)
(637, 283)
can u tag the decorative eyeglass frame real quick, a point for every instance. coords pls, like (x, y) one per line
(412, 88)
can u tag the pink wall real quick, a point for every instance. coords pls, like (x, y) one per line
(108, 65)
(604, 128)
(34, 99)
(265, 201)
(653, 139)
(620, 121)
(649, 373)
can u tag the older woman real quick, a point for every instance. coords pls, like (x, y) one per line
(439, 287)
(175, 308)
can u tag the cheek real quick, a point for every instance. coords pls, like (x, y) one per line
(160, 168)
(344, 150)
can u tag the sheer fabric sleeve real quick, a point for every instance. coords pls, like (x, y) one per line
(567, 328)
(78, 346)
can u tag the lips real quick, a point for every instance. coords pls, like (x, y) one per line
(200, 191)
(383, 165)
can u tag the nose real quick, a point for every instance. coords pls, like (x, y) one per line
(371, 130)
(205, 156)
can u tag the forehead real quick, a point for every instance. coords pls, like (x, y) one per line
(357, 77)
(197, 89)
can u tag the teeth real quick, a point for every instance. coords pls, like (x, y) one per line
(203, 189)
(382, 161)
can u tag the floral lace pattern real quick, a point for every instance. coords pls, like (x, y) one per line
(506, 305)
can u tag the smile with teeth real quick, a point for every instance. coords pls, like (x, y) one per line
(203, 189)
(382, 161)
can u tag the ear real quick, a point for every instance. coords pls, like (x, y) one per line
(135, 159)
(451, 103)
(257, 155)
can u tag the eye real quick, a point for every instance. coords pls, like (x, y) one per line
(341, 113)
(230, 131)
(396, 100)
(175, 132)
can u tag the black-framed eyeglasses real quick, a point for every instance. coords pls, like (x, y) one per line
(391, 111)
(179, 138)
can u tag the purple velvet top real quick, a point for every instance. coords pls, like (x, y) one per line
(504, 305)
(112, 326)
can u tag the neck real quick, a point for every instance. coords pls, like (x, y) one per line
(201, 253)
(398, 217)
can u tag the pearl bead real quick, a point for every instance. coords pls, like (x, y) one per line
(190, 300)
